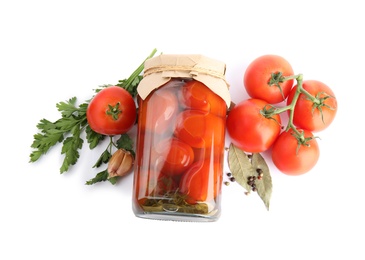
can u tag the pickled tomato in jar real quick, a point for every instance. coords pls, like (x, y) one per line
(179, 148)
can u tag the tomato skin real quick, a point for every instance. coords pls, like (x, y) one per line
(158, 111)
(249, 130)
(202, 182)
(287, 160)
(101, 122)
(199, 129)
(258, 74)
(304, 115)
(196, 95)
(173, 156)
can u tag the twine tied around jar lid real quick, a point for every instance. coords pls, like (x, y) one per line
(197, 70)
(161, 69)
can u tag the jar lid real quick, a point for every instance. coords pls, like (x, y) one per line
(160, 69)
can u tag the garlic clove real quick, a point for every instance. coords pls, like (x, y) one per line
(120, 163)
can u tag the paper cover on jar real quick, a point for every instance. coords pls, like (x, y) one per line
(162, 68)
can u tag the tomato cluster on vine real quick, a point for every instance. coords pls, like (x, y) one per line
(255, 124)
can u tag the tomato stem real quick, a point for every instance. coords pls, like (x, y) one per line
(292, 77)
(290, 107)
(310, 96)
(299, 80)
(299, 77)
(114, 111)
(276, 79)
(318, 100)
(300, 90)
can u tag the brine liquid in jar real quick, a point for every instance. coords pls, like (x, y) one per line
(180, 151)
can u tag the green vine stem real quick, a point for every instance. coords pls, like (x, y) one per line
(300, 90)
(128, 84)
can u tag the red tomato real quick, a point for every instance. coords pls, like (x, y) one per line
(202, 182)
(292, 159)
(173, 156)
(259, 73)
(158, 111)
(249, 129)
(215, 152)
(196, 95)
(311, 116)
(199, 129)
(112, 111)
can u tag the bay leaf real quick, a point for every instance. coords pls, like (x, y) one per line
(240, 166)
(264, 185)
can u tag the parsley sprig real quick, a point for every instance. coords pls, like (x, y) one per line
(73, 122)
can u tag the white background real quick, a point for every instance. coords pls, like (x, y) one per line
(51, 51)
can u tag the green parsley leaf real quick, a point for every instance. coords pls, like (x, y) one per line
(92, 137)
(45, 125)
(70, 148)
(102, 176)
(104, 158)
(125, 142)
(70, 124)
(130, 84)
(44, 141)
(67, 108)
(68, 129)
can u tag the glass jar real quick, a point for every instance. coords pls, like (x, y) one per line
(183, 101)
